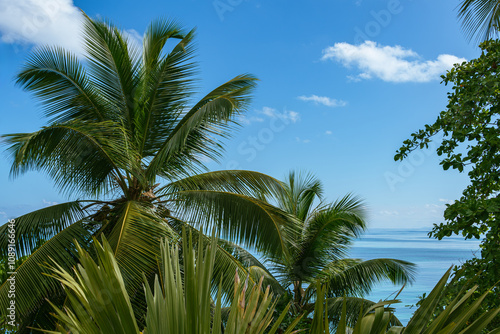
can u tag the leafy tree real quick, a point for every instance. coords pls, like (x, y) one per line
(317, 255)
(470, 127)
(125, 139)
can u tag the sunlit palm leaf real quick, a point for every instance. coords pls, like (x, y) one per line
(135, 240)
(238, 218)
(227, 261)
(197, 131)
(245, 182)
(97, 298)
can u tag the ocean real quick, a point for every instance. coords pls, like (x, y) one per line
(433, 257)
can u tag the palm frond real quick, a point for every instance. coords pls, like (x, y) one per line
(299, 192)
(60, 81)
(356, 278)
(198, 131)
(32, 285)
(480, 18)
(241, 219)
(353, 308)
(327, 235)
(229, 258)
(165, 85)
(80, 156)
(38, 226)
(244, 182)
(114, 69)
(135, 239)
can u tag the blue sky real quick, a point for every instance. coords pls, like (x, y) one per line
(342, 84)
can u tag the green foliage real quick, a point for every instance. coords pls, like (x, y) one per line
(470, 127)
(316, 254)
(179, 302)
(124, 133)
(455, 318)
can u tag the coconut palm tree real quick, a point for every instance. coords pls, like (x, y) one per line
(317, 256)
(126, 142)
(480, 18)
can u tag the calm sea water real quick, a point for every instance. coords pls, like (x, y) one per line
(433, 257)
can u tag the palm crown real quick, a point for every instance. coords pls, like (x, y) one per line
(316, 255)
(123, 133)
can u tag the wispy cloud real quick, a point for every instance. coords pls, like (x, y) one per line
(328, 132)
(290, 115)
(260, 115)
(247, 120)
(324, 100)
(49, 203)
(389, 213)
(304, 141)
(389, 63)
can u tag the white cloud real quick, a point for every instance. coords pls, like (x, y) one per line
(289, 115)
(47, 22)
(326, 101)
(328, 132)
(41, 22)
(389, 63)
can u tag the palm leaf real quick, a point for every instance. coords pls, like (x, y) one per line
(79, 156)
(40, 225)
(166, 85)
(59, 80)
(480, 18)
(356, 277)
(196, 132)
(113, 66)
(238, 218)
(97, 298)
(327, 235)
(32, 286)
(244, 182)
(298, 194)
(135, 239)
